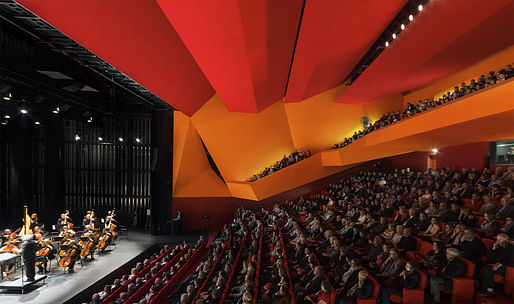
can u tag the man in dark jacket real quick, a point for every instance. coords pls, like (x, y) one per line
(406, 243)
(453, 267)
(28, 251)
(500, 256)
(473, 249)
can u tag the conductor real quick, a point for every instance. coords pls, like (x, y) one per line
(28, 253)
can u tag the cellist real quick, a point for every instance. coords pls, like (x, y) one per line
(44, 252)
(72, 251)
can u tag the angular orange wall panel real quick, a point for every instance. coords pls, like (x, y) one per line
(243, 144)
(318, 123)
(375, 110)
(192, 174)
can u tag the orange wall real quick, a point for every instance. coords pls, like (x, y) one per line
(376, 109)
(192, 174)
(243, 144)
(318, 123)
(493, 63)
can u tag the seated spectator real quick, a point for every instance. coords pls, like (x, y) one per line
(434, 258)
(322, 296)
(122, 298)
(398, 235)
(362, 289)
(432, 231)
(498, 258)
(489, 224)
(106, 292)
(408, 278)
(131, 289)
(508, 227)
(505, 210)
(453, 267)
(391, 267)
(95, 299)
(406, 243)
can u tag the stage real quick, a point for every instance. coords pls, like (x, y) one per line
(60, 287)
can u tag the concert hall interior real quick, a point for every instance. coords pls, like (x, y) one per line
(266, 151)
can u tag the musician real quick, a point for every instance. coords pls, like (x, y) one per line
(28, 252)
(5, 237)
(87, 220)
(8, 245)
(43, 256)
(33, 221)
(71, 244)
(61, 221)
(66, 231)
(89, 235)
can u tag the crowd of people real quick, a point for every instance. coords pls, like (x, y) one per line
(147, 278)
(360, 238)
(422, 106)
(286, 161)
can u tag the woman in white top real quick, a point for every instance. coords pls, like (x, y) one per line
(432, 230)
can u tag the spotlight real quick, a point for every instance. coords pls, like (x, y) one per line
(121, 139)
(56, 110)
(8, 96)
(100, 138)
(23, 111)
(411, 17)
(394, 35)
(420, 7)
(4, 123)
(402, 26)
(435, 150)
(37, 123)
(77, 137)
(90, 119)
(7, 116)
(138, 140)
(387, 43)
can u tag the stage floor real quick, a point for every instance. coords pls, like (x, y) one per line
(62, 286)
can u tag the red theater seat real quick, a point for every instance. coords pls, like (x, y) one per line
(412, 295)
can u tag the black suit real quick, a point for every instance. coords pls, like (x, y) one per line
(28, 249)
(313, 286)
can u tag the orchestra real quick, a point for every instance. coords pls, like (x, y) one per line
(67, 245)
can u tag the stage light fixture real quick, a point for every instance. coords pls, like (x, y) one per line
(402, 26)
(120, 139)
(56, 110)
(138, 140)
(8, 96)
(90, 119)
(411, 17)
(100, 138)
(77, 137)
(435, 150)
(23, 111)
(387, 43)
(420, 7)
(394, 35)
(7, 116)
(37, 123)
(4, 123)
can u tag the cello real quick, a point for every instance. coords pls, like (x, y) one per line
(70, 254)
(104, 240)
(88, 245)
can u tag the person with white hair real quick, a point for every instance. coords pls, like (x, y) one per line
(499, 257)
(28, 252)
(453, 267)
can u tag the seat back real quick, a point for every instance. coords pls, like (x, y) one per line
(470, 268)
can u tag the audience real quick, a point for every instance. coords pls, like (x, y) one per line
(390, 118)
(286, 161)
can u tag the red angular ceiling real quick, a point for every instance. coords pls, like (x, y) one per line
(135, 37)
(446, 37)
(244, 47)
(334, 36)
(254, 53)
